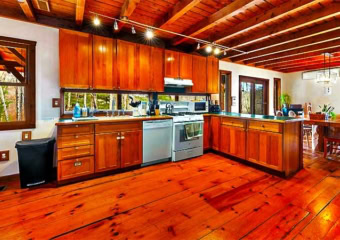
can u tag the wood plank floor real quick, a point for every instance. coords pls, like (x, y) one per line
(210, 197)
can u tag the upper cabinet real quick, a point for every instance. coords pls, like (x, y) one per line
(75, 59)
(212, 75)
(185, 66)
(126, 65)
(171, 62)
(104, 63)
(199, 74)
(157, 69)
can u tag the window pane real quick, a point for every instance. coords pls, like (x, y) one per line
(12, 64)
(12, 104)
(192, 98)
(166, 97)
(144, 98)
(245, 97)
(259, 97)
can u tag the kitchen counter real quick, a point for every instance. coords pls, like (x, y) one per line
(69, 121)
(256, 117)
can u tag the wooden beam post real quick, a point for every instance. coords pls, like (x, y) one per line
(80, 9)
(27, 8)
(128, 8)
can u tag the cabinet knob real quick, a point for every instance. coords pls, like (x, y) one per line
(76, 136)
(263, 126)
(77, 125)
(76, 148)
(118, 138)
(122, 138)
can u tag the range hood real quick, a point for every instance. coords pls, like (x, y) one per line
(177, 82)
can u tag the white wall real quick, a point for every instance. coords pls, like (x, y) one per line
(47, 84)
(242, 70)
(303, 91)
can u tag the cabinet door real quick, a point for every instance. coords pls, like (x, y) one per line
(199, 74)
(215, 132)
(265, 148)
(185, 66)
(107, 151)
(157, 69)
(131, 148)
(104, 63)
(126, 65)
(171, 64)
(75, 59)
(233, 141)
(143, 70)
(206, 133)
(212, 73)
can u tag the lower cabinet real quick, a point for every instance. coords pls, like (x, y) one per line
(131, 148)
(107, 151)
(75, 168)
(215, 132)
(206, 133)
(265, 148)
(233, 141)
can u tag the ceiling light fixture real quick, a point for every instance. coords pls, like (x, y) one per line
(96, 21)
(133, 30)
(326, 77)
(198, 46)
(208, 49)
(115, 25)
(225, 53)
(149, 34)
(217, 51)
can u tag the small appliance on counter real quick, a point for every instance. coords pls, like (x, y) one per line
(215, 108)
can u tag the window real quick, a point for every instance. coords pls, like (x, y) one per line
(17, 83)
(162, 97)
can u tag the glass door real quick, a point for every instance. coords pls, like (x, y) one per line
(253, 95)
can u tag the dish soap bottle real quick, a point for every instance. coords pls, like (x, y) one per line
(76, 111)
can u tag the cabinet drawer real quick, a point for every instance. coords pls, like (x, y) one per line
(75, 168)
(75, 129)
(118, 127)
(75, 140)
(74, 152)
(233, 122)
(266, 126)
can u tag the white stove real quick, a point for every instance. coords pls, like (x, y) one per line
(187, 118)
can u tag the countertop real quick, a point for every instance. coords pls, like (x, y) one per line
(256, 117)
(68, 121)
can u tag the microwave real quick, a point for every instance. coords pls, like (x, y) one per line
(199, 107)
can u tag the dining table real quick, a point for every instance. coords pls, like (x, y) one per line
(323, 127)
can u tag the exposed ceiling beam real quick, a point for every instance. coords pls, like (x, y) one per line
(269, 16)
(15, 73)
(252, 57)
(328, 12)
(80, 9)
(288, 38)
(27, 8)
(10, 63)
(318, 62)
(17, 54)
(181, 8)
(128, 8)
(269, 63)
(230, 10)
(313, 67)
(293, 52)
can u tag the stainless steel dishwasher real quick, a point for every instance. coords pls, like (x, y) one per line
(157, 141)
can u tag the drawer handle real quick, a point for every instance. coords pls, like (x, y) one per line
(77, 164)
(76, 148)
(77, 126)
(76, 136)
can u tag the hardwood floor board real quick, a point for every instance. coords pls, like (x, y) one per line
(334, 232)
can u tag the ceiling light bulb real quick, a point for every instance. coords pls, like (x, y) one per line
(198, 46)
(133, 30)
(217, 51)
(225, 53)
(149, 34)
(115, 25)
(96, 21)
(208, 49)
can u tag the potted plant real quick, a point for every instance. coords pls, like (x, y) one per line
(327, 109)
(285, 102)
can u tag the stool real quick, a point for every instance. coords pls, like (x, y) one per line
(333, 145)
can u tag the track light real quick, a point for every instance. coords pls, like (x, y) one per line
(225, 53)
(198, 46)
(96, 21)
(217, 51)
(208, 49)
(115, 25)
(133, 30)
(149, 34)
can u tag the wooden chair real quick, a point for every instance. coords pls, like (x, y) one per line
(307, 131)
(332, 141)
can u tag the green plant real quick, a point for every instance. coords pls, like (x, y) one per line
(285, 99)
(328, 109)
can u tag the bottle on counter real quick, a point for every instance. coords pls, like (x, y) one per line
(76, 111)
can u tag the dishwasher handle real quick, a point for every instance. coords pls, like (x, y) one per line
(157, 124)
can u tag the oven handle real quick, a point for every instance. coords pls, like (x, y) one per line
(183, 123)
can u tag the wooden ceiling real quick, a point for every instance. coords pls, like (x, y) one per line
(282, 35)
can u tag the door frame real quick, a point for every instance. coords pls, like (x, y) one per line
(276, 94)
(255, 80)
(228, 93)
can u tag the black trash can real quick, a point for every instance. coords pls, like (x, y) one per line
(35, 161)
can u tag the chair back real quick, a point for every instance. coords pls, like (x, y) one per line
(308, 108)
(279, 113)
(291, 113)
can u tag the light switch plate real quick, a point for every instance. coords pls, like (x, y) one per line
(26, 135)
(4, 155)
(55, 102)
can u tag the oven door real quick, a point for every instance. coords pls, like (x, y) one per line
(179, 141)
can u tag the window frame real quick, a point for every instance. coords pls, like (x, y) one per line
(30, 75)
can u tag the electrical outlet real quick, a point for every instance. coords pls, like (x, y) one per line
(55, 102)
(4, 155)
(26, 135)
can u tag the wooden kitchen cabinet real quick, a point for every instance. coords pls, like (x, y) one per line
(131, 148)
(75, 59)
(199, 74)
(171, 63)
(212, 75)
(185, 66)
(107, 151)
(265, 148)
(233, 141)
(126, 65)
(104, 63)
(207, 133)
(157, 69)
(215, 132)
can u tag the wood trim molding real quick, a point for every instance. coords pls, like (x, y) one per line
(80, 9)
(27, 8)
